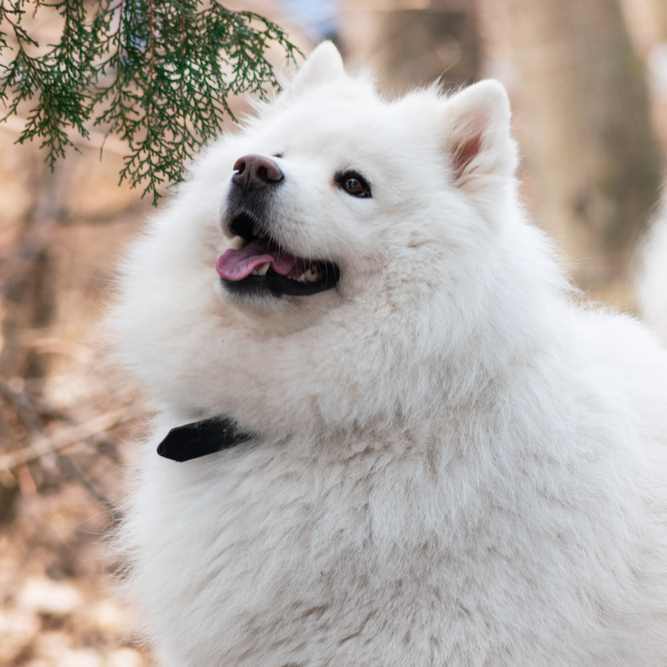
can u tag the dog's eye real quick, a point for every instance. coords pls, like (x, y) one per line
(354, 184)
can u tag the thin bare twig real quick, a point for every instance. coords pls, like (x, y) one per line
(70, 467)
(69, 437)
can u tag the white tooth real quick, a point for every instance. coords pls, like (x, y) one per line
(236, 243)
(311, 275)
(261, 270)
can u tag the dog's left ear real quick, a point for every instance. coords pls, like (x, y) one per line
(323, 65)
(478, 136)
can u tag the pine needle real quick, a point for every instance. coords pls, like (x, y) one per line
(157, 74)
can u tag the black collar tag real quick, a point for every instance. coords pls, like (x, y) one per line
(201, 438)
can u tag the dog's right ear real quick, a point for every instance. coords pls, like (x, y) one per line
(323, 65)
(478, 136)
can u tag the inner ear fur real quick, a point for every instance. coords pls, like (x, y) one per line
(478, 134)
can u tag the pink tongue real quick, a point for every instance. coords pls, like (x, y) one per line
(239, 264)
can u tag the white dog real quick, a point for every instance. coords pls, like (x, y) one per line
(429, 454)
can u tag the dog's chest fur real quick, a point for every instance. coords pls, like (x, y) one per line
(390, 550)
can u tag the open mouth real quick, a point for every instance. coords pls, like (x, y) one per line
(257, 264)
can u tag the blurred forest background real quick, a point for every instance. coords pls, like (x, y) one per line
(588, 82)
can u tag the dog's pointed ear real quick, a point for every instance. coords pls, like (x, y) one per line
(478, 135)
(323, 64)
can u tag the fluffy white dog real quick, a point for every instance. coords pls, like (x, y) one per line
(396, 438)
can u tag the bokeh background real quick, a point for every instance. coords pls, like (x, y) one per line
(588, 82)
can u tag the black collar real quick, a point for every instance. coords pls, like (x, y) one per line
(196, 439)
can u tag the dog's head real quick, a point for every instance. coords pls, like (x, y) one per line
(336, 238)
(332, 189)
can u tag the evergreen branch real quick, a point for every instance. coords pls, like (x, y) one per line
(158, 74)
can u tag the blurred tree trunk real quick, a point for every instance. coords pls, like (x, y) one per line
(660, 12)
(28, 290)
(410, 46)
(591, 152)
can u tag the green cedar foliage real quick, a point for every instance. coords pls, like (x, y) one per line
(156, 73)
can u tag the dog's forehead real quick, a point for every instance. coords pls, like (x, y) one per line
(315, 119)
(331, 126)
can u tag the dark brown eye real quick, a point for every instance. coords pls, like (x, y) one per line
(354, 184)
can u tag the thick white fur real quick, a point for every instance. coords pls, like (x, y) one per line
(456, 464)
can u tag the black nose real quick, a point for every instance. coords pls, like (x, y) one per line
(253, 172)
